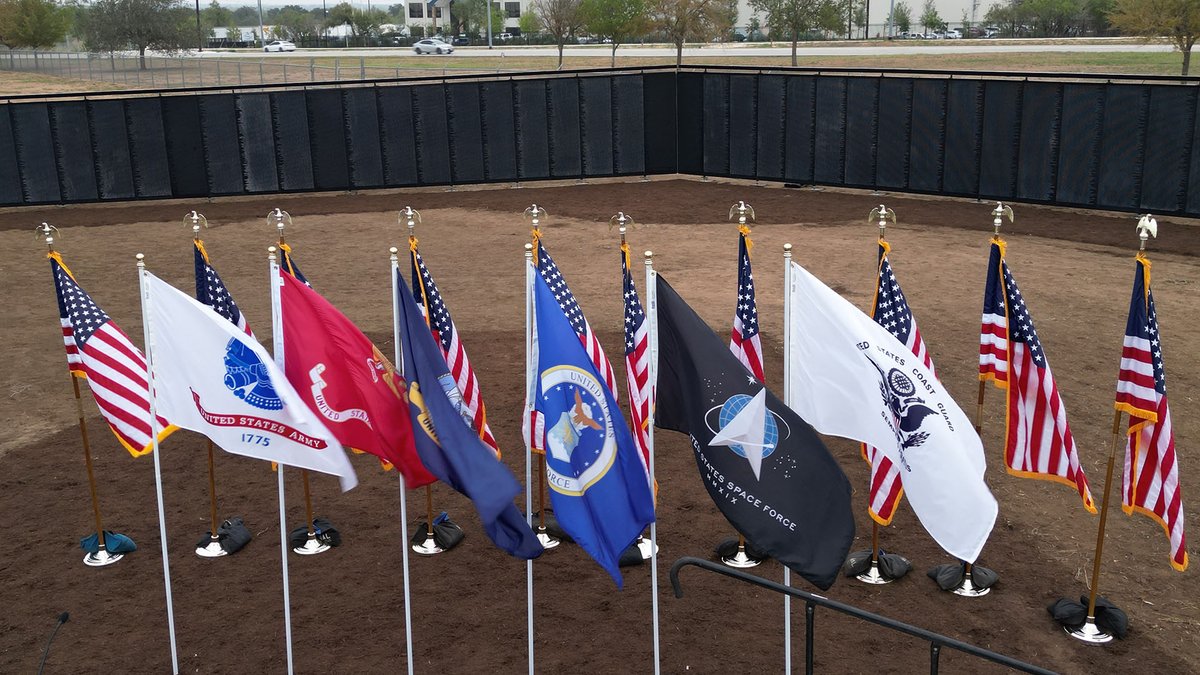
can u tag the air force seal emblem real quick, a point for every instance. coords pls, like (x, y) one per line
(247, 378)
(580, 442)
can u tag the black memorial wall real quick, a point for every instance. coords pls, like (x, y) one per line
(1108, 143)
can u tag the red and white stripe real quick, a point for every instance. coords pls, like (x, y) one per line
(74, 362)
(993, 348)
(116, 373)
(1151, 477)
(468, 386)
(748, 351)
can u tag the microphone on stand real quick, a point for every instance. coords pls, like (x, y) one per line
(62, 618)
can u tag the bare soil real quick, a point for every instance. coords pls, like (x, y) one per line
(468, 605)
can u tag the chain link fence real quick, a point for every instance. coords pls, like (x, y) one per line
(130, 71)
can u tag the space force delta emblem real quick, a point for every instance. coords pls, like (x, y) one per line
(580, 441)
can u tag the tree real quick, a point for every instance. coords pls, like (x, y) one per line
(1175, 20)
(35, 24)
(930, 19)
(901, 17)
(215, 16)
(618, 20)
(858, 16)
(790, 18)
(684, 20)
(162, 25)
(297, 24)
(1055, 18)
(474, 15)
(1008, 17)
(529, 23)
(245, 16)
(560, 18)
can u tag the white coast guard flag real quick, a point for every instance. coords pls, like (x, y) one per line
(212, 378)
(850, 377)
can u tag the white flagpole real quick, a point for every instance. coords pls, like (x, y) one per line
(529, 367)
(148, 337)
(652, 317)
(399, 356)
(787, 373)
(277, 338)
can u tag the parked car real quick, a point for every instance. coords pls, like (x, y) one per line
(279, 46)
(433, 46)
(461, 41)
(954, 34)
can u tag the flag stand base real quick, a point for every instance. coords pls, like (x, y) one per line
(311, 546)
(429, 546)
(647, 547)
(872, 576)
(212, 549)
(1089, 632)
(968, 589)
(740, 560)
(548, 540)
(101, 558)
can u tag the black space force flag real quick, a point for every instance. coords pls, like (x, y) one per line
(766, 469)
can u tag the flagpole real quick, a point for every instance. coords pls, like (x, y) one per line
(148, 337)
(652, 317)
(277, 339)
(101, 557)
(787, 374)
(399, 365)
(529, 446)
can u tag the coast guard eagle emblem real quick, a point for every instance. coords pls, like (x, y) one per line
(246, 376)
(907, 411)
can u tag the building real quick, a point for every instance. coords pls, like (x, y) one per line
(434, 15)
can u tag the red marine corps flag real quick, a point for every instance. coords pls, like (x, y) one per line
(342, 376)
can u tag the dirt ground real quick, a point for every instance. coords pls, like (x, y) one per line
(468, 605)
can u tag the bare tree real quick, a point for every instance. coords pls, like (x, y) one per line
(684, 20)
(1176, 20)
(560, 18)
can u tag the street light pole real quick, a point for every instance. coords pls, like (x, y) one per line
(262, 38)
(199, 32)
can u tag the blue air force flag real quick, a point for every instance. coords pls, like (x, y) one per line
(851, 377)
(212, 378)
(597, 482)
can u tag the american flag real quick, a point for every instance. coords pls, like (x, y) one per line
(890, 310)
(289, 265)
(744, 341)
(437, 316)
(1037, 439)
(591, 344)
(1151, 482)
(637, 363)
(211, 291)
(115, 370)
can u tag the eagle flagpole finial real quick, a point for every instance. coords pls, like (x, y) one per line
(411, 217)
(196, 221)
(882, 214)
(1147, 227)
(280, 219)
(47, 232)
(743, 210)
(623, 223)
(998, 215)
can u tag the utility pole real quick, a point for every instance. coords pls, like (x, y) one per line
(199, 32)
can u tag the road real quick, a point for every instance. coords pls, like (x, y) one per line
(874, 49)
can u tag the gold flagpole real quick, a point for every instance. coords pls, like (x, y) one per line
(741, 559)
(102, 556)
(213, 548)
(536, 214)
(1089, 631)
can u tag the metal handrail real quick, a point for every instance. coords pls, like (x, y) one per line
(812, 601)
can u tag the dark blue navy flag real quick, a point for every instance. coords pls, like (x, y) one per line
(766, 469)
(597, 481)
(448, 445)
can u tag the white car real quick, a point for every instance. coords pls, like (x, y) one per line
(432, 46)
(279, 46)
